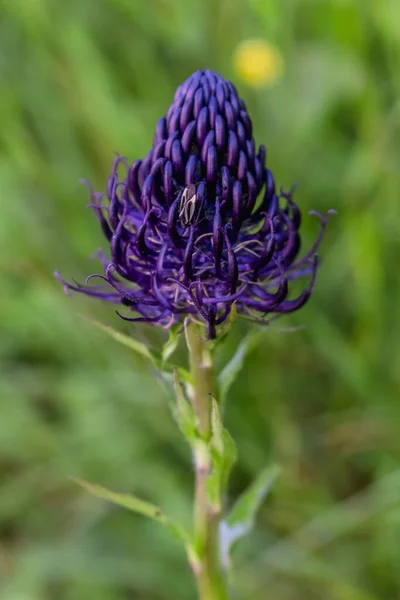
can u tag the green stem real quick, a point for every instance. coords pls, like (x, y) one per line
(207, 566)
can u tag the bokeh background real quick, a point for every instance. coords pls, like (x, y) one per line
(319, 394)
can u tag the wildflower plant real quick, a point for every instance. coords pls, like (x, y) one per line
(198, 234)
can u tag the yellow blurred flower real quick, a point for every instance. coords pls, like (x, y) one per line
(258, 63)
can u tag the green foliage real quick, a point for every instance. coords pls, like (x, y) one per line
(244, 510)
(241, 518)
(184, 414)
(172, 343)
(137, 347)
(223, 457)
(136, 505)
(80, 80)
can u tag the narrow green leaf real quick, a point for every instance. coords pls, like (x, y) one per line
(247, 505)
(223, 455)
(229, 458)
(183, 412)
(240, 520)
(136, 505)
(172, 343)
(229, 373)
(126, 340)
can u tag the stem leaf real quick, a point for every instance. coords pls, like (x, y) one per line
(172, 342)
(223, 454)
(126, 340)
(136, 505)
(229, 459)
(184, 413)
(240, 520)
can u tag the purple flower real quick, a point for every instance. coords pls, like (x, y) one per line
(198, 225)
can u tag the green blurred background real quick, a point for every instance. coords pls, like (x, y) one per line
(83, 79)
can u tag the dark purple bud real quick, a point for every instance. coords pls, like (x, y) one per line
(212, 81)
(158, 167)
(237, 201)
(192, 88)
(177, 158)
(209, 141)
(242, 166)
(189, 136)
(212, 164)
(186, 114)
(241, 133)
(258, 170)
(161, 131)
(206, 88)
(250, 150)
(270, 184)
(262, 155)
(247, 123)
(198, 102)
(221, 96)
(225, 184)
(273, 206)
(159, 151)
(212, 110)
(251, 192)
(168, 183)
(220, 132)
(168, 145)
(173, 122)
(190, 171)
(157, 196)
(170, 111)
(233, 99)
(146, 192)
(233, 149)
(230, 116)
(201, 192)
(145, 167)
(202, 126)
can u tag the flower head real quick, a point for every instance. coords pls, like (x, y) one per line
(198, 225)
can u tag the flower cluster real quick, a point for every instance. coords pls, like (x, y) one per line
(198, 224)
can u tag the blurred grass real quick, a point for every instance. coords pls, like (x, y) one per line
(80, 81)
